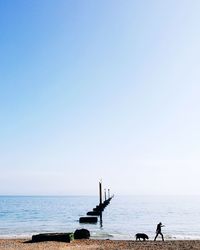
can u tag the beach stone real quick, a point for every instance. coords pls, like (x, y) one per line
(82, 234)
(64, 237)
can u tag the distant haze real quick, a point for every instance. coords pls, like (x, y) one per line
(99, 89)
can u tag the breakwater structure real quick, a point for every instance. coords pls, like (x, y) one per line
(92, 216)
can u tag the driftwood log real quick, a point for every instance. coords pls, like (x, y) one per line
(64, 237)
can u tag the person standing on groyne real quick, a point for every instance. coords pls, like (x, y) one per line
(158, 231)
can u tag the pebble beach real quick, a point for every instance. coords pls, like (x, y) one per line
(23, 244)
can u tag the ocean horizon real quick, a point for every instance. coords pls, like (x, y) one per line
(22, 216)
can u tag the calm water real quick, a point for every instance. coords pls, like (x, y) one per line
(125, 216)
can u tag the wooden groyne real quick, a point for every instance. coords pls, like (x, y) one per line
(92, 216)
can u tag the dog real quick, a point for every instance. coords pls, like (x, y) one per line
(141, 236)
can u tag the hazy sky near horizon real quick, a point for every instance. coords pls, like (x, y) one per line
(99, 89)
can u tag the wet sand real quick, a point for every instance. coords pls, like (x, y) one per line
(15, 244)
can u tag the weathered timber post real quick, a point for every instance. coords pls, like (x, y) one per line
(101, 220)
(108, 193)
(105, 194)
(100, 194)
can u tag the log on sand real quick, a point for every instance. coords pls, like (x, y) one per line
(64, 237)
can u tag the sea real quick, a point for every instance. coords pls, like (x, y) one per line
(23, 216)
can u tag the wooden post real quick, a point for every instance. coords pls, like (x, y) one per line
(101, 220)
(108, 193)
(100, 193)
(105, 194)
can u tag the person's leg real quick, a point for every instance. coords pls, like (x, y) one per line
(156, 237)
(162, 236)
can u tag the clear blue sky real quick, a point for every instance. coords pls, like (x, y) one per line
(99, 89)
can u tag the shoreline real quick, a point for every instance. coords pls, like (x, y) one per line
(24, 244)
(108, 237)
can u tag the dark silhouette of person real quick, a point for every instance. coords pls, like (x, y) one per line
(158, 231)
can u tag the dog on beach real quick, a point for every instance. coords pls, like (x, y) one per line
(141, 236)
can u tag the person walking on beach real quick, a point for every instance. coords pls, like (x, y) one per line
(158, 231)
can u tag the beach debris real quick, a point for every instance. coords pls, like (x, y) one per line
(64, 237)
(82, 234)
(141, 236)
